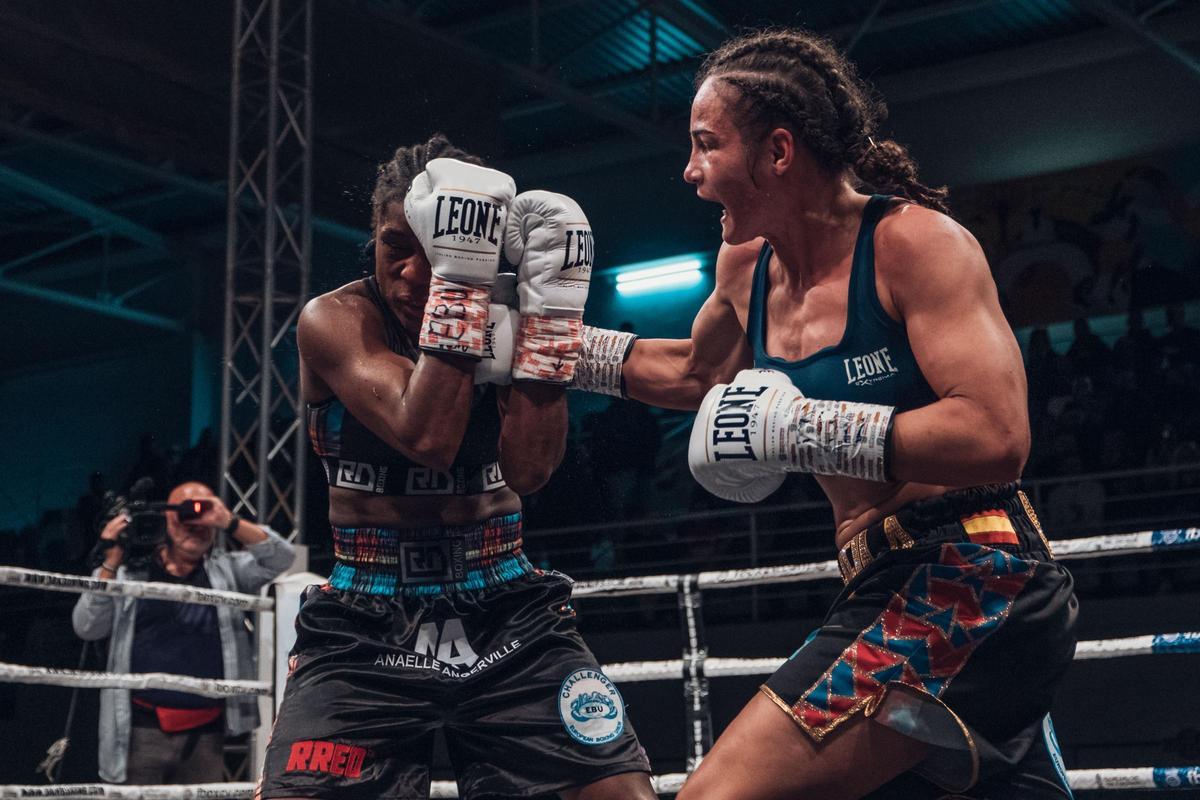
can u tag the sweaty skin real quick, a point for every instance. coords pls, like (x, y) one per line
(930, 275)
(419, 409)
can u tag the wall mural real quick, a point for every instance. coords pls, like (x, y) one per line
(1090, 241)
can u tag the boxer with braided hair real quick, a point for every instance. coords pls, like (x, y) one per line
(855, 334)
(784, 76)
(433, 618)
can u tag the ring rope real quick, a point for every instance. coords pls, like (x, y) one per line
(1113, 544)
(1139, 645)
(206, 687)
(88, 791)
(669, 783)
(58, 582)
(1087, 547)
(628, 671)
(673, 669)
(1108, 544)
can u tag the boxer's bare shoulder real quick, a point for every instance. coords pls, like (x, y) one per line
(922, 254)
(339, 325)
(735, 274)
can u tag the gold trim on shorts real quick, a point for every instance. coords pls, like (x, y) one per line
(870, 706)
(898, 538)
(1033, 517)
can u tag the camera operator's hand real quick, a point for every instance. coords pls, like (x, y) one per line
(115, 553)
(219, 516)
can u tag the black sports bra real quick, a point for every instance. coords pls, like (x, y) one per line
(355, 458)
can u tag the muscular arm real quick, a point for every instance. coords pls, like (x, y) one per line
(978, 431)
(676, 373)
(421, 410)
(533, 434)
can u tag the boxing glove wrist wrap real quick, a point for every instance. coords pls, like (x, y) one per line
(456, 316)
(601, 361)
(547, 348)
(835, 437)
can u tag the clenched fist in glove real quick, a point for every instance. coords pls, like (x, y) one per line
(729, 453)
(748, 433)
(458, 211)
(549, 240)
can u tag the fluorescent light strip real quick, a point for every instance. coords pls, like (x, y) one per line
(649, 273)
(677, 279)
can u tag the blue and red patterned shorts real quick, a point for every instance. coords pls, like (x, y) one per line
(955, 627)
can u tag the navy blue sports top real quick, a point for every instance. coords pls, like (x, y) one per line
(355, 458)
(873, 363)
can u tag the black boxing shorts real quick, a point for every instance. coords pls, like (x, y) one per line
(522, 702)
(954, 627)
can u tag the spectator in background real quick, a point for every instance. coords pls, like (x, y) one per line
(151, 463)
(1077, 503)
(1137, 349)
(1088, 353)
(199, 462)
(1045, 370)
(625, 442)
(158, 736)
(1180, 345)
(87, 514)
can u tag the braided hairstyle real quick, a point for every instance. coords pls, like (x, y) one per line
(798, 80)
(394, 178)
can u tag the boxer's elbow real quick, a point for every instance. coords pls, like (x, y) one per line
(526, 481)
(430, 450)
(1005, 453)
(428, 444)
(525, 476)
(1008, 464)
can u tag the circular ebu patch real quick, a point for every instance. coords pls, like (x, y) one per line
(590, 707)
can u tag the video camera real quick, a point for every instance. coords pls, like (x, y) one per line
(147, 528)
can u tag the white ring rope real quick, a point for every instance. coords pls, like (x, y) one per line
(672, 669)
(670, 783)
(1135, 778)
(58, 582)
(1109, 544)
(87, 791)
(1139, 645)
(206, 687)
(636, 584)
(1113, 544)
(629, 671)
(1088, 547)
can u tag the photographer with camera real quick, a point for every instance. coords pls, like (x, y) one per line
(158, 736)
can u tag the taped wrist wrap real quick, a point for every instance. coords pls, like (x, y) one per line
(456, 316)
(834, 437)
(547, 348)
(601, 361)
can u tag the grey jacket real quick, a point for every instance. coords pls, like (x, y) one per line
(99, 615)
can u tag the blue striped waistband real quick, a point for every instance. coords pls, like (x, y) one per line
(425, 561)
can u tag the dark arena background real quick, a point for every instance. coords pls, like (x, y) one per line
(177, 179)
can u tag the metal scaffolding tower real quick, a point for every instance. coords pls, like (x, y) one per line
(267, 257)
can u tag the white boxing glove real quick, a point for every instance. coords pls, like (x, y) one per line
(496, 364)
(730, 452)
(458, 213)
(747, 433)
(549, 240)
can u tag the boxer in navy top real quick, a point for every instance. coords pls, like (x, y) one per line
(855, 334)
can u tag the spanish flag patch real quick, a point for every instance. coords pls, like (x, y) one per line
(990, 527)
